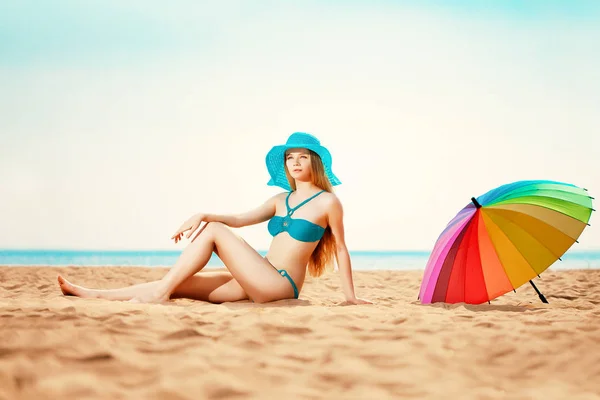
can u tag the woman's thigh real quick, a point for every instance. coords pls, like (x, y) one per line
(212, 286)
(259, 279)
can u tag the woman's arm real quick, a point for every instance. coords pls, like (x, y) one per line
(259, 214)
(336, 223)
(262, 213)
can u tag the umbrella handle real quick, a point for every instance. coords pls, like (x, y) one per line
(542, 298)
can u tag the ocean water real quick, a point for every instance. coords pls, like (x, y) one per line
(361, 260)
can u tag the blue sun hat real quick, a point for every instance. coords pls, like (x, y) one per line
(276, 159)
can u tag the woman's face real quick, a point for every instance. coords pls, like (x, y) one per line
(298, 164)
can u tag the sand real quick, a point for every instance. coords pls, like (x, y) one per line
(53, 346)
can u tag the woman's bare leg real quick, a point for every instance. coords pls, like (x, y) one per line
(254, 274)
(212, 286)
(126, 293)
(250, 275)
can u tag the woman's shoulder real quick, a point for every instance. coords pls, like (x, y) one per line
(331, 200)
(278, 196)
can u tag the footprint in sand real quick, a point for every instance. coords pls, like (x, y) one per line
(67, 317)
(299, 358)
(340, 380)
(537, 323)
(89, 358)
(382, 360)
(197, 321)
(97, 357)
(485, 325)
(501, 353)
(278, 330)
(184, 334)
(252, 344)
(7, 351)
(44, 286)
(351, 328)
(553, 333)
(587, 328)
(130, 312)
(223, 392)
(294, 330)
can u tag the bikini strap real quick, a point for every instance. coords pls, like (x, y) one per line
(292, 210)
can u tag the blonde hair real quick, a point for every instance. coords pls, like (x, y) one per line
(321, 258)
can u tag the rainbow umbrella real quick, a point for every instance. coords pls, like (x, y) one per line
(503, 239)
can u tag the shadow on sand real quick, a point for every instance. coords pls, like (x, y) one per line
(486, 307)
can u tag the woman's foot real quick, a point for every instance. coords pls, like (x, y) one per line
(69, 289)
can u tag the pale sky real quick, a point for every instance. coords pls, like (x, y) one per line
(119, 120)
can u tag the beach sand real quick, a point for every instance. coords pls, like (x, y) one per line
(53, 346)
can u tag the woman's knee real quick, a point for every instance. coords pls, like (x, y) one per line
(213, 228)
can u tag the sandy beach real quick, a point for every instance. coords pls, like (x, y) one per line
(52, 346)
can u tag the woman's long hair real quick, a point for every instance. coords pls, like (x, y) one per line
(322, 257)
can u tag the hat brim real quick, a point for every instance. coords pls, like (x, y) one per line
(276, 164)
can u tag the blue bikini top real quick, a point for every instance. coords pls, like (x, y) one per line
(299, 229)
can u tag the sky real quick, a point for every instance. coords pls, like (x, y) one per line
(119, 120)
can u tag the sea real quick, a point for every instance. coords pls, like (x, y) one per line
(361, 260)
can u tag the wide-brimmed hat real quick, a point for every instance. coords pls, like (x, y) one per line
(276, 159)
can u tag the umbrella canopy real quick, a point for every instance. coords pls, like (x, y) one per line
(503, 239)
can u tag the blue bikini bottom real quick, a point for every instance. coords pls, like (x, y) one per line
(284, 273)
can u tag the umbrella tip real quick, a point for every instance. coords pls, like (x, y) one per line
(474, 200)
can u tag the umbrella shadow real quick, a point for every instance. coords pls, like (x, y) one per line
(502, 307)
(486, 307)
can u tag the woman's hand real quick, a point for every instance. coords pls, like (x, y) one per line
(191, 224)
(356, 301)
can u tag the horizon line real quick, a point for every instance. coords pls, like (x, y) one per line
(388, 251)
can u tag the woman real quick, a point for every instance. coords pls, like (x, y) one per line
(307, 228)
